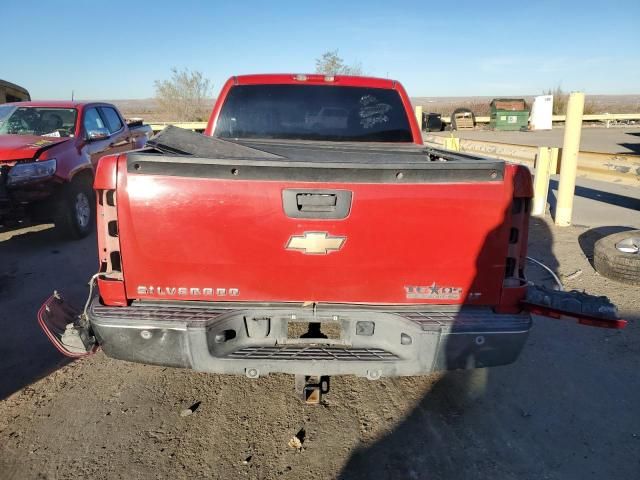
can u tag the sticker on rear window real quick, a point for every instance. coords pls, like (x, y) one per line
(372, 112)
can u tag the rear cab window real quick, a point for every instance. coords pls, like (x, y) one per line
(314, 112)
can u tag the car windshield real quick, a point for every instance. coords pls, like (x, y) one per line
(44, 121)
(314, 112)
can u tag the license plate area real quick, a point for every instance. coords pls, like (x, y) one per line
(315, 332)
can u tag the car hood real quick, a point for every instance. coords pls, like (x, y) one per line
(25, 147)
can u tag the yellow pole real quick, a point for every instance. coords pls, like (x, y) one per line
(419, 116)
(452, 143)
(541, 182)
(553, 169)
(569, 165)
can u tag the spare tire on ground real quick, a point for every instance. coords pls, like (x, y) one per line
(617, 257)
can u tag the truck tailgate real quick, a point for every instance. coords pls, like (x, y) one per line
(270, 231)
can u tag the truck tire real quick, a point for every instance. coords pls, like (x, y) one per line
(75, 209)
(617, 257)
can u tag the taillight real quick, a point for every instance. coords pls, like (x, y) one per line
(517, 249)
(514, 284)
(111, 280)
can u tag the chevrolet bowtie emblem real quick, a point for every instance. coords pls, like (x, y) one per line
(315, 243)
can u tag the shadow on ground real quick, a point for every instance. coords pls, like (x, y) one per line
(540, 417)
(34, 262)
(634, 147)
(431, 440)
(593, 194)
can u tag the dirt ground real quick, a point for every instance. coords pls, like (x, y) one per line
(567, 409)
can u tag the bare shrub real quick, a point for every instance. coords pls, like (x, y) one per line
(560, 100)
(184, 97)
(330, 63)
(590, 108)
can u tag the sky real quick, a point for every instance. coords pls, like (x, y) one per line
(117, 49)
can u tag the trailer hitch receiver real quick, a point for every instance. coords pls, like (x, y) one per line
(311, 388)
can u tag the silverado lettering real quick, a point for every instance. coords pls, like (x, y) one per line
(191, 291)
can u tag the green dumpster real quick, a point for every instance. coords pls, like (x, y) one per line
(509, 114)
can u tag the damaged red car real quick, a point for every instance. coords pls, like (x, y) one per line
(48, 155)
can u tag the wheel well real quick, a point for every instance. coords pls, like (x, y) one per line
(84, 175)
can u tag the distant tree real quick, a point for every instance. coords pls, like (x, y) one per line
(330, 63)
(560, 100)
(184, 96)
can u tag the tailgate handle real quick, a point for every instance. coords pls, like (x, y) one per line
(316, 203)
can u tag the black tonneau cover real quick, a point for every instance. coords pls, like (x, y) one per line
(180, 152)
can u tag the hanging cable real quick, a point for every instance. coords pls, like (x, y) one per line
(555, 277)
(92, 282)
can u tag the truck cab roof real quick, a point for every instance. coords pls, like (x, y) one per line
(315, 78)
(57, 103)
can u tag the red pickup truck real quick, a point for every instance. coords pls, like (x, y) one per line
(278, 243)
(48, 153)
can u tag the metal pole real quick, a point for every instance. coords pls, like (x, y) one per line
(541, 182)
(569, 165)
(419, 116)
